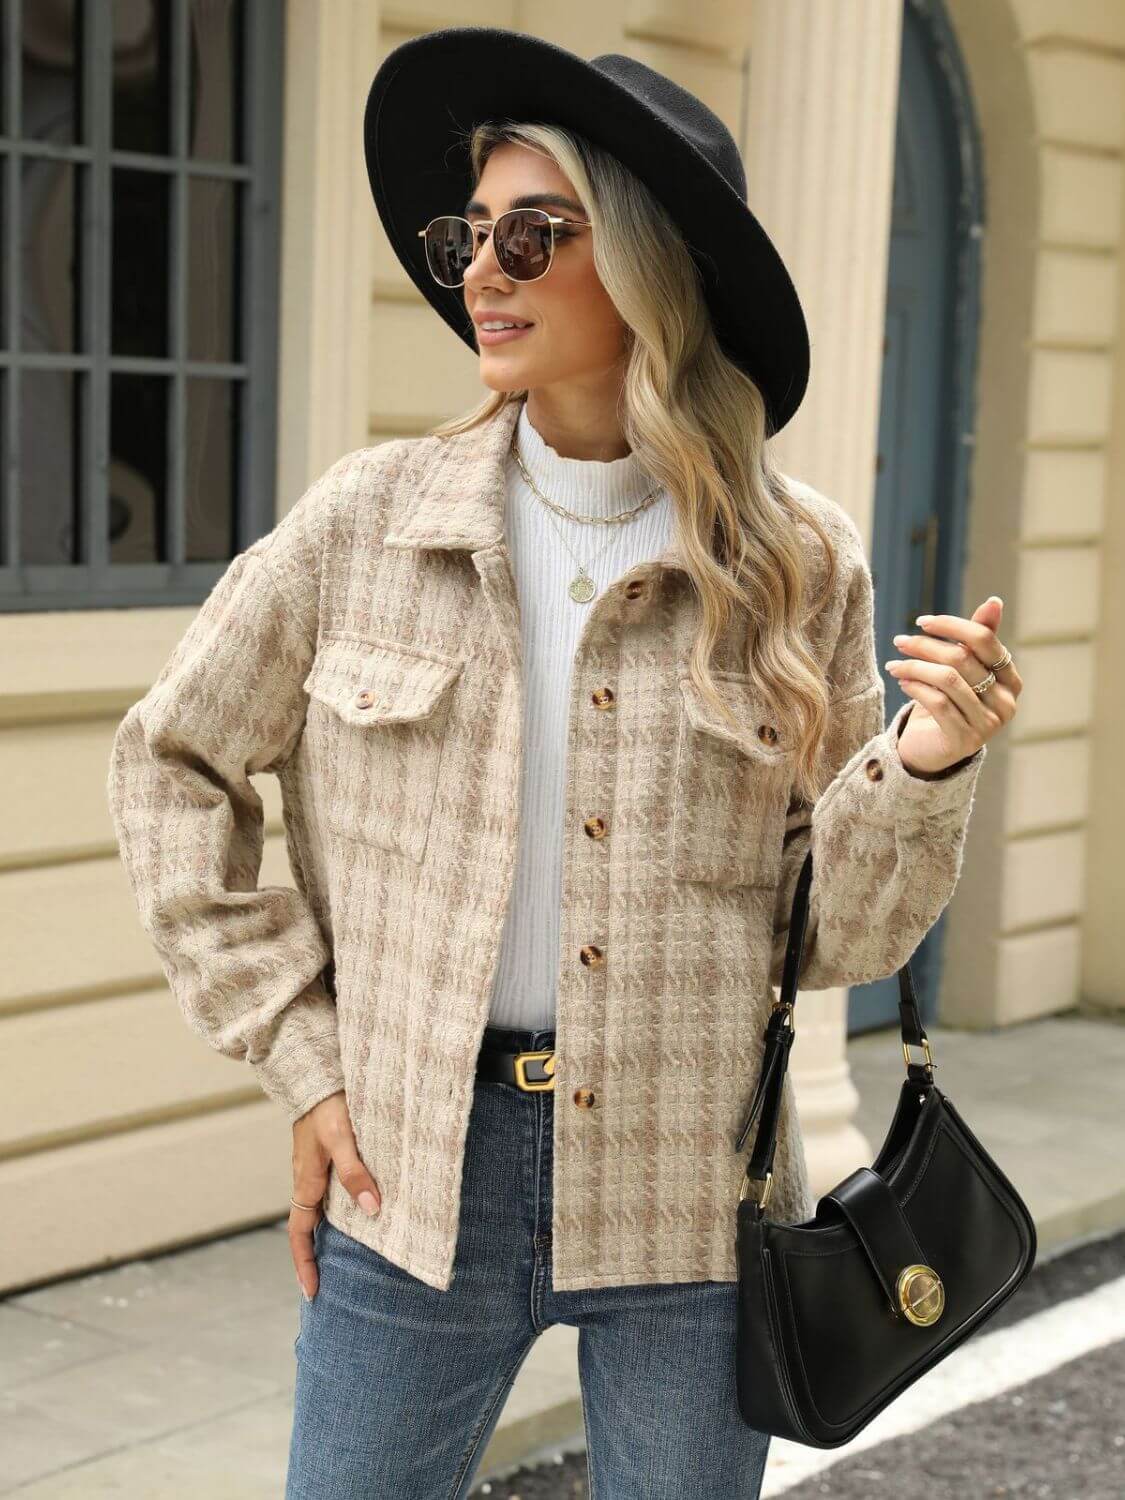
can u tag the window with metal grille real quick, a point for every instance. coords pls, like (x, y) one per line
(139, 195)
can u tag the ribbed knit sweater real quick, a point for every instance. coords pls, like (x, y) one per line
(523, 993)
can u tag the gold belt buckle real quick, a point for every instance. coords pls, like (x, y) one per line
(535, 1085)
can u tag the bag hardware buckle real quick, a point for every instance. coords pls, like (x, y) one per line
(925, 1045)
(747, 1182)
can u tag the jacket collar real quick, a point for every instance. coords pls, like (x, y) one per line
(456, 495)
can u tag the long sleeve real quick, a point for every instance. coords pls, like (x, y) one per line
(887, 845)
(245, 964)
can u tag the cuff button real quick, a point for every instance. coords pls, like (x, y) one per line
(874, 770)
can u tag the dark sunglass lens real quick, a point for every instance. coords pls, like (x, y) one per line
(523, 243)
(449, 249)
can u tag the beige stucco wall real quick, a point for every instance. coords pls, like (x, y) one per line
(1101, 804)
(136, 1136)
(1048, 81)
(1103, 931)
(120, 1132)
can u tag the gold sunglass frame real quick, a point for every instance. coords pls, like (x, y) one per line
(479, 242)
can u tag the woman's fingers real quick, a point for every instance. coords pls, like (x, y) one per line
(983, 714)
(324, 1138)
(976, 640)
(336, 1136)
(309, 1184)
(332, 1126)
(311, 1160)
(353, 1174)
(302, 1224)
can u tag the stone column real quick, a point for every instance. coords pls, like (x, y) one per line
(329, 232)
(819, 153)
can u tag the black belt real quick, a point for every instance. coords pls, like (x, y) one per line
(532, 1071)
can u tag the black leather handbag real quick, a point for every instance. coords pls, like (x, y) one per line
(902, 1262)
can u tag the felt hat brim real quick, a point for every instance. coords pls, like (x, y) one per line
(429, 92)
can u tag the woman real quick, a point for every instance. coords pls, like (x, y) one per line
(558, 695)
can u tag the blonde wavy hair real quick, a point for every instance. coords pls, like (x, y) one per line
(699, 425)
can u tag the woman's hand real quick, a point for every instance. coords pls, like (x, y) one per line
(949, 722)
(324, 1136)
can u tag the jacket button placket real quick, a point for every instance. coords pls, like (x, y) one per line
(585, 937)
(593, 750)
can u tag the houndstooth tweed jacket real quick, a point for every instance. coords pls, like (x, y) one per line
(367, 652)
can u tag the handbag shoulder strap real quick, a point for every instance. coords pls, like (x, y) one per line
(779, 1036)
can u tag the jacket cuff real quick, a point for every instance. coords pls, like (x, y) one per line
(303, 1065)
(891, 787)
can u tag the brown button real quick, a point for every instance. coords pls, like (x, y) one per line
(767, 734)
(874, 770)
(584, 1098)
(602, 697)
(595, 827)
(592, 956)
(364, 699)
(634, 588)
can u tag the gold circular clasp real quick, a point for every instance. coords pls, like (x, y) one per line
(921, 1295)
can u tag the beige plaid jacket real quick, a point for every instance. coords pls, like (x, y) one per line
(367, 651)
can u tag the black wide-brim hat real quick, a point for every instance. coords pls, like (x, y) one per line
(429, 92)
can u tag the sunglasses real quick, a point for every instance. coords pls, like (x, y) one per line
(523, 238)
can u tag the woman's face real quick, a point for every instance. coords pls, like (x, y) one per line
(576, 332)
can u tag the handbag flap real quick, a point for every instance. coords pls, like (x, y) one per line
(881, 1227)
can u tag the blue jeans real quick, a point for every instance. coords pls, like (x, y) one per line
(400, 1386)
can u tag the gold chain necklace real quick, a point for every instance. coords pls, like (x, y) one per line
(582, 587)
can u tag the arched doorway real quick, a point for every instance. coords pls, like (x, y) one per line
(928, 405)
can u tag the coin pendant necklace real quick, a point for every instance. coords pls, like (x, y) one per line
(582, 587)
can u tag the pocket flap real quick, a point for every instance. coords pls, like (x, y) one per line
(379, 682)
(754, 721)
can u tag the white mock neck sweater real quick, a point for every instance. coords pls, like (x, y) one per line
(523, 993)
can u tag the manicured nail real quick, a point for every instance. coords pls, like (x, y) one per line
(923, 619)
(367, 1202)
(898, 639)
(308, 1294)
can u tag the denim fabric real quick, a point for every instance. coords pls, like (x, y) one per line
(400, 1386)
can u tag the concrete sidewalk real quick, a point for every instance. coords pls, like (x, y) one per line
(173, 1377)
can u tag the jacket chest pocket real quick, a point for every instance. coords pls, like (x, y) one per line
(377, 720)
(730, 788)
